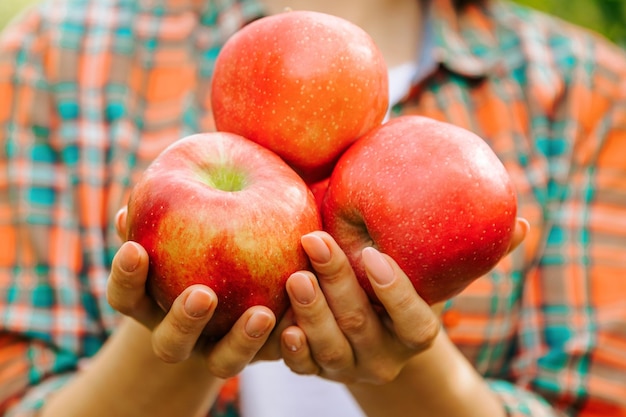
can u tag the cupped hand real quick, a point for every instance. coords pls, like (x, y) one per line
(177, 334)
(335, 332)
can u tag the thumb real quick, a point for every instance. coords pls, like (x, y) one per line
(120, 223)
(521, 229)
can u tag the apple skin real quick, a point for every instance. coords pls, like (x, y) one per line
(302, 84)
(220, 210)
(319, 191)
(431, 195)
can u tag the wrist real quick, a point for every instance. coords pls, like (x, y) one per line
(438, 381)
(127, 364)
(136, 340)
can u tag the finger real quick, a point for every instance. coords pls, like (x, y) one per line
(350, 305)
(271, 350)
(519, 234)
(329, 346)
(176, 335)
(241, 344)
(414, 322)
(120, 222)
(296, 353)
(327, 259)
(126, 287)
(438, 308)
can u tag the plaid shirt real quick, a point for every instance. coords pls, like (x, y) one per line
(92, 91)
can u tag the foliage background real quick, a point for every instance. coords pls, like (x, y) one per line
(607, 17)
(604, 16)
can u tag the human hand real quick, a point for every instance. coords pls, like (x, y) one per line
(333, 330)
(177, 334)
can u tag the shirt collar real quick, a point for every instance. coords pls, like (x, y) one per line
(465, 42)
(207, 11)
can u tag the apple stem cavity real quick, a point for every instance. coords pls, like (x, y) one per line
(225, 178)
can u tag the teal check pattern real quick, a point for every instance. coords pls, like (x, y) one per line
(92, 90)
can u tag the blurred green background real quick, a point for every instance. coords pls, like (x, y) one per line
(8, 8)
(605, 16)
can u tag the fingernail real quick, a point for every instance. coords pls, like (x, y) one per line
(377, 266)
(198, 303)
(302, 288)
(292, 341)
(258, 324)
(130, 257)
(316, 248)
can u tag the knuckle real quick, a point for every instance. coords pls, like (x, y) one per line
(174, 339)
(353, 322)
(384, 375)
(166, 353)
(123, 281)
(222, 369)
(119, 304)
(183, 327)
(405, 301)
(425, 335)
(336, 271)
(232, 354)
(120, 293)
(331, 359)
(114, 302)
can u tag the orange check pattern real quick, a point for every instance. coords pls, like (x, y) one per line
(91, 91)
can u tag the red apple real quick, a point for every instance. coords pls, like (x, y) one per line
(431, 195)
(220, 210)
(303, 84)
(319, 191)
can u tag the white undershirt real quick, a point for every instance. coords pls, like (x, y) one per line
(400, 80)
(270, 389)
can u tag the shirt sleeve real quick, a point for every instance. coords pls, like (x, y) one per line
(548, 326)
(43, 330)
(519, 402)
(572, 333)
(20, 361)
(72, 142)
